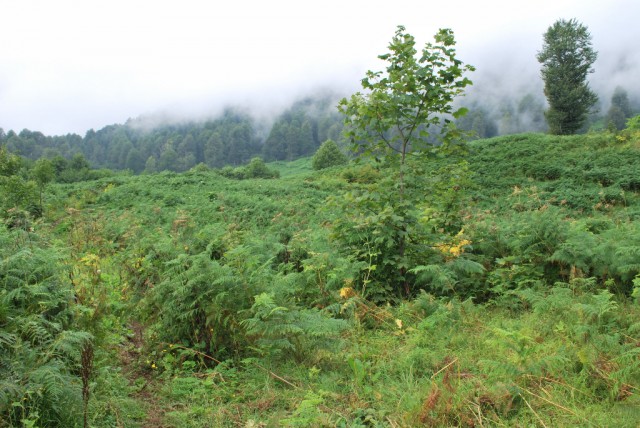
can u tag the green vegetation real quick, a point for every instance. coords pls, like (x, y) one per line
(152, 145)
(328, 155)
(566, 58)
(430, 283)
(394, 121)
(620, 109)
(209, 301)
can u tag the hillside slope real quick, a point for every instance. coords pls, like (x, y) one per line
(235, 304)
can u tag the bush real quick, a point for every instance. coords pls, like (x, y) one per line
(328, 155)
(365, 174)
(633, 123)
(258, 169)
(40, 347)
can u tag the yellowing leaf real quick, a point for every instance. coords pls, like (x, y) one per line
(347, 292)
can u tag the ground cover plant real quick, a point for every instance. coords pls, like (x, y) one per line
(492, 283)
(221, 302)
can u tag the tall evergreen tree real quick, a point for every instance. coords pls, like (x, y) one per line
(275, 146)
(150, 166)
(566, 58)
(135, 161)
(620, 109)
(214, 151)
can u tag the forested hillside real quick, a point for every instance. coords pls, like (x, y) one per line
(244, 272)
(151, 145)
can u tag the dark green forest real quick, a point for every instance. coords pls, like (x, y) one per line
(397, 258)
(236, 136)
(232, 139)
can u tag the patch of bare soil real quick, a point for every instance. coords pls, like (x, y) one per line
(146, 385)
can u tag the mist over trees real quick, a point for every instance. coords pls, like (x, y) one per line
(426, 280)
(302, 128)
(231, 139)
(508, 115)
(235, 136)
(620, 109)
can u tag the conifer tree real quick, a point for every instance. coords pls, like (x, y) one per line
(566, 58)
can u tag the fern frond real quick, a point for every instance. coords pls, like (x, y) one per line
(36, 331)
(465, 267)
(316, 325)
(7, 339)
(69, 344)
(437, 277)
(10, 391)
(50, 378)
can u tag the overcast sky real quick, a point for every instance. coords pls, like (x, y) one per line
(68, 66)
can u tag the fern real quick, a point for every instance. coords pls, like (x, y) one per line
(277, 329)
(601, 305)
(555, 303)
(524, 356)
(436, 277)
(455, 276)
(626, 372)
(198, 304)
(39, 349)
(7, 339)
(68, 345)
(591, 329)
(576, 252)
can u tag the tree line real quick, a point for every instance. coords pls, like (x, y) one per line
(236, 137)
(438, 248)
(233, 138)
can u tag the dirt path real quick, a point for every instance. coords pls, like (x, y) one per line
(146, 394)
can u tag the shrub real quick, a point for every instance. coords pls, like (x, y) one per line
(198, 303)
(328, 155)
(363, 174)
(39, 347)
(258, 169)
(281, 331)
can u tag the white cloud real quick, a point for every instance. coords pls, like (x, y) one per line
(67, 66)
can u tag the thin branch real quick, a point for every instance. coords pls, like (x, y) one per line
(548, 379)
(202, 354)
(534, 412)
(415, 122)
(382, 137)
(455, 360)
(478, 416)
(381, 133)
(556, 404)
(392, 423)
(393, 148)
(275, 376)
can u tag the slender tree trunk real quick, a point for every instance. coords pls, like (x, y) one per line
(403, 228)
(86, 370)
